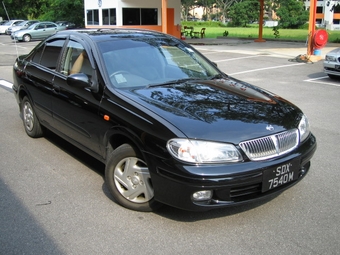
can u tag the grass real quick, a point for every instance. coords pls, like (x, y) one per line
(213, 30)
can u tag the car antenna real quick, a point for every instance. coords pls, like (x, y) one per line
(15, 42)
(5, 10)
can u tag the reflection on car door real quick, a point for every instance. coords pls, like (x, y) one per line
(40, 71)
(75, 110)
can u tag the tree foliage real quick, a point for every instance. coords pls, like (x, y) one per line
(244, 12)
(51, 10)
(291, 13)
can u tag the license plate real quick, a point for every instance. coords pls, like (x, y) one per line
(280, 175)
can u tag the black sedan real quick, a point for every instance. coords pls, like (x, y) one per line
(170, 127)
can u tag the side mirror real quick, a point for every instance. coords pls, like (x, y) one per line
(79, 80)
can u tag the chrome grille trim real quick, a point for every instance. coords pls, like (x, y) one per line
(271, 146)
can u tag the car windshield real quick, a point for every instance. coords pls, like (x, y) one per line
(32, 26)
(153, 62)
(22, 23)
(9, 23)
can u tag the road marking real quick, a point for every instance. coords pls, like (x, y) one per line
(230, 59)
(314, 80)
(6, 84)
(267, 68)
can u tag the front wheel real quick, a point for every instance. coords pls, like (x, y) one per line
(31, 122)
(26, 38)
(128, 179)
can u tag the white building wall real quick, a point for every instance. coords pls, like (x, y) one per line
(119, 4)
(327, 21)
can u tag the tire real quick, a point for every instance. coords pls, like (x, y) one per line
(332, 76)
(26, 38)
(128, 179)
(31, 122)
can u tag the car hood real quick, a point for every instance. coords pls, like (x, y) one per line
(335, 52)
(220, 110)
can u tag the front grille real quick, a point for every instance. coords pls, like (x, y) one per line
(271, 146)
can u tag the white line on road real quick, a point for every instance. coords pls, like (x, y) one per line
(314, 80)
(267, 68)
(6, 84)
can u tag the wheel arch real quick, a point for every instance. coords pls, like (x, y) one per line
(21, 94)
(118, 137)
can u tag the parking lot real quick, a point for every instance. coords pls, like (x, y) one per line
(53, 199)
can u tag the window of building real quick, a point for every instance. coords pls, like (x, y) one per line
(336, 21)
(109, 16)
(149, 16)
(319, 9)
(336, 8)
(140, 16)
(92, 17)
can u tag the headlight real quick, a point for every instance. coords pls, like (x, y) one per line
(330, 58)
(195, 151)
(304, 128)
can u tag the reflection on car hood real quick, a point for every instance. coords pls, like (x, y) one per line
(226, 109)
(335, 52)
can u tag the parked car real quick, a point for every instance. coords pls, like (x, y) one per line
(67, 24)
(331, 64)
(9, 24)
(170, 127)
(37, 31)
(3, 22)
(24, 24)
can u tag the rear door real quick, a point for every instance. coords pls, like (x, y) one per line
(39, 75)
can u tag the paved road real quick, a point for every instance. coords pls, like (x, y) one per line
(53, 199)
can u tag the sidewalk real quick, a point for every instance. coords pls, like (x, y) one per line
(290, 49)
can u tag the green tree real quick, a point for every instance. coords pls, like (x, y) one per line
(22, 9)
(292, 13)
(51, 10)
(244, 12)
(187, 6)
(224, 6)
(64, 10)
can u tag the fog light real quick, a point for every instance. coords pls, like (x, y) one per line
(202, 195)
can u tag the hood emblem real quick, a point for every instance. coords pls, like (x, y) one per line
(270, 128)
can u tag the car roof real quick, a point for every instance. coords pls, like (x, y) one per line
(119, 33)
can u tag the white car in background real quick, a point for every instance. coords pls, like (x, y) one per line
(331, 64)
(9, 24)
(22, 25)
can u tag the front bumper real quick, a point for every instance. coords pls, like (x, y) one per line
(231, 184)
(331, 68)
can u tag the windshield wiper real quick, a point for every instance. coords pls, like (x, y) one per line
(218, 76)
(178, 81)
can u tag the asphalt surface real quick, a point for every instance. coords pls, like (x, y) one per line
(53, 199)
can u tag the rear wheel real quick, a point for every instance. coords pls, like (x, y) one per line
(128, 179)
(31, 123)
(26, 38)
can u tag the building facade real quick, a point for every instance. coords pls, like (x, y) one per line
(327, 14)
(146, 14)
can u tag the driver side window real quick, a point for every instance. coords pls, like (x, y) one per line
(75, 60)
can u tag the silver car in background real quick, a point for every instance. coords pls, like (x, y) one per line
(331, 64)
(23, 25)
(37, 31)
(9, 24)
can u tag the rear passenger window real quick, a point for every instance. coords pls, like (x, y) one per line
(51, 53)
